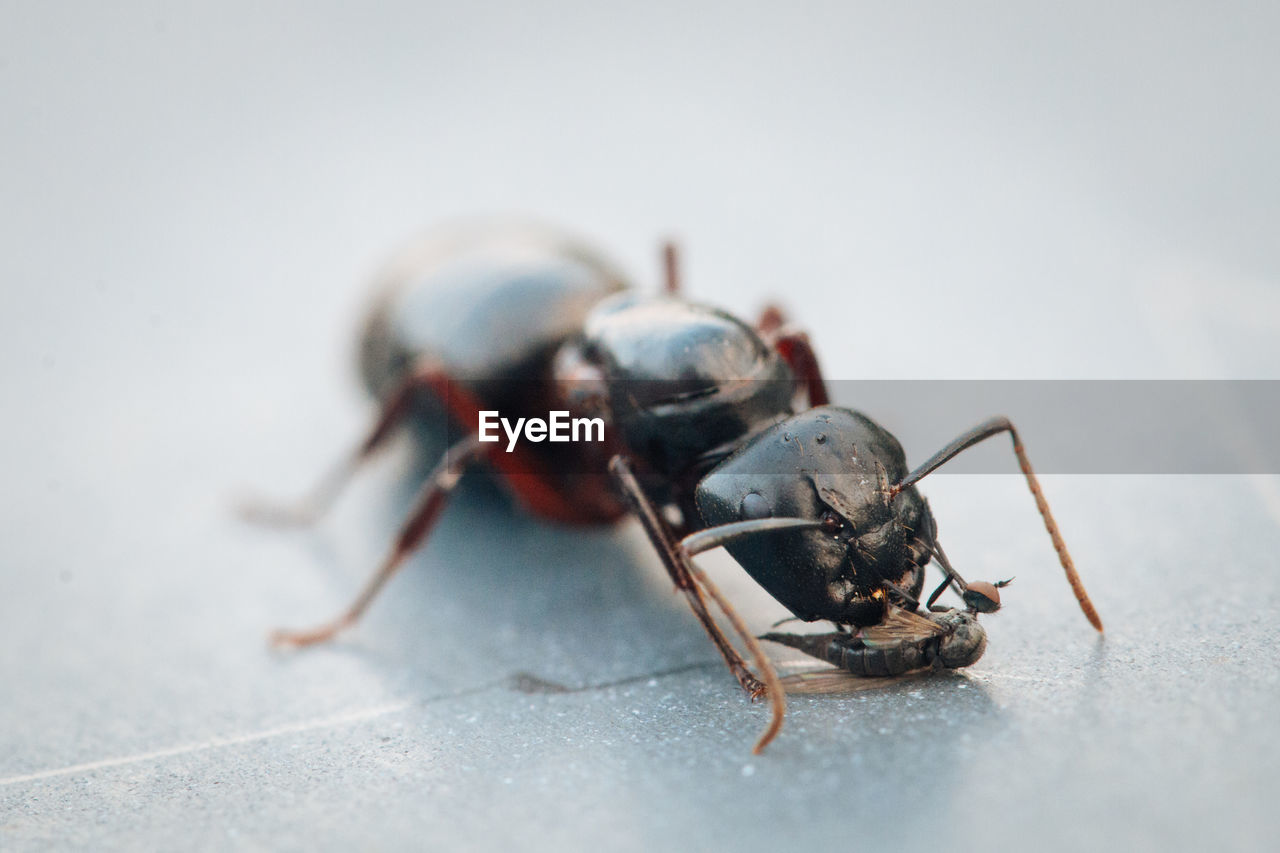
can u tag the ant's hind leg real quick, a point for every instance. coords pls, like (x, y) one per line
(318, 500)
(412, 533)
(527, 476)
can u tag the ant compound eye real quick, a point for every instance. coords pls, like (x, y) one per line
(831, 523)
(755, 505)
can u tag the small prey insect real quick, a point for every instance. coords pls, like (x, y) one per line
(905, 642)
(718, 433)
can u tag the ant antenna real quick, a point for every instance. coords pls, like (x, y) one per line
(985, 430)
(714, 537)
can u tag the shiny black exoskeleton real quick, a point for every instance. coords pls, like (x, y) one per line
(836, 466)
(719, 433)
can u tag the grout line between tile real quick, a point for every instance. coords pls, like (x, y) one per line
(512, 681)
(212, 743)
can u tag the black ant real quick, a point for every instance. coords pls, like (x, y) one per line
(704, 444)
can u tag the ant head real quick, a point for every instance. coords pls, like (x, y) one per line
(833, 467)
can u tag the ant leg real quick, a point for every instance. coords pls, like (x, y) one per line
(797, 352)
(773, 689)
(772, 318)
(527, 477)
(421, 519)
(678, 567)
(986, 430)
(321, 497)
(670, 269)
(793, 346)
(572, 499)
(692, 582)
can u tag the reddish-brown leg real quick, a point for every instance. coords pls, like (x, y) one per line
(796, 351)
(794, 347)
(692, 582)
(320, 498)
(578, 499)
(421, 519)
(526, 475)
(671, 268)
(772, 318)
(665, 543)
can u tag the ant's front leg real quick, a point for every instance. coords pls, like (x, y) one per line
(692, 583)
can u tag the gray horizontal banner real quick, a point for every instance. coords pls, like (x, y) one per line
(1067, 426)
(1084, 426)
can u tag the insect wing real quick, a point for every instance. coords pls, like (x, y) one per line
(832, 680)
(900, 627)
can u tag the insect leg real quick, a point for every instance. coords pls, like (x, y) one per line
(986, 430)
(793, 346)
(523, 472)
(950, 577)
(796, 351)
(692, 582)
(421, 519)
(946, 582)
(771, 319)
(670, 269)
(575, 498)
(317, 501)
(773, 689)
